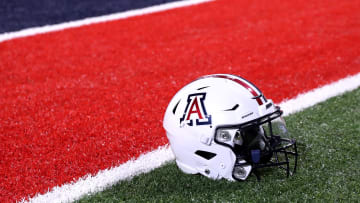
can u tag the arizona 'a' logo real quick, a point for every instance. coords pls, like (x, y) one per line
(195, 111)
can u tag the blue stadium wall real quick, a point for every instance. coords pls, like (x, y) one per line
(20, 14)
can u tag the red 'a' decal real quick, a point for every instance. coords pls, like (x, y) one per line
(196, 110)
(195, 105)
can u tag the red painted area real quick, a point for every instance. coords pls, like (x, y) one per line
(80, 100)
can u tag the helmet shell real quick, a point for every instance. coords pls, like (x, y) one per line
(198, 109)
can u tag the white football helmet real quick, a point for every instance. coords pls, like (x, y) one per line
(222, 126)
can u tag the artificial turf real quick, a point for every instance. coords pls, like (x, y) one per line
(85, 99)
(328, 170)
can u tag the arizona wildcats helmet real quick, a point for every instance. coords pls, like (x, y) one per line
(222, 126)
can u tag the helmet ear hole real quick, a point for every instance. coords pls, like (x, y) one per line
(204, 154)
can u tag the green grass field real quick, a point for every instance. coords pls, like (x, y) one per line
(328, 136)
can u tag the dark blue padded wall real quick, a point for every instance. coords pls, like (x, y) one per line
(19, 14)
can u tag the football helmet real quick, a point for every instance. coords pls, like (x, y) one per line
(222, 126)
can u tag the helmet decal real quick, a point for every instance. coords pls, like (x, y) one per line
(195, 110)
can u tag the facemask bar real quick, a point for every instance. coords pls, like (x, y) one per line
(278, 148)
(286, 151)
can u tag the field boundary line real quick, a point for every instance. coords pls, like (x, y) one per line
(100, 19)
(106, 178)
(320, 94)
(157, 158)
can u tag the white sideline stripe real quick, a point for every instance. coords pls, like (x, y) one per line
(92, 20)
(106, 178)
(320, 94)
(154, 159)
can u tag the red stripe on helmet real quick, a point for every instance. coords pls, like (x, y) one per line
(242, 83)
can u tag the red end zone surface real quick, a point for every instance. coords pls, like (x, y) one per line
(80, 100)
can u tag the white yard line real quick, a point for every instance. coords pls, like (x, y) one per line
(100, 19)
(106, 178)
(154, 159)
(320, 94)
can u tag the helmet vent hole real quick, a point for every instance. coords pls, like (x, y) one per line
(204, 154)
(233, 108)
(203, 87)
(175, 107)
